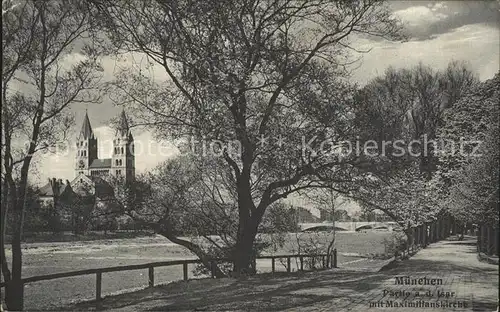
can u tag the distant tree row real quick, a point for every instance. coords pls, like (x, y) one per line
(405, 105)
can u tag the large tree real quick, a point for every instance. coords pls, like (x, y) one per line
(250, 73)
(45, 68)
(244, 71)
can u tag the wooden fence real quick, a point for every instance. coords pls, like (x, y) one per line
(487, 240)
(429, 232)
(327, 261)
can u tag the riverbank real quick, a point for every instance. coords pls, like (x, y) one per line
(467, 285)
(57, 257)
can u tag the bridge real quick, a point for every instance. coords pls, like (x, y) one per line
(351, 226)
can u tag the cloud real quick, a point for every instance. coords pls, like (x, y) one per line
(478, 44)
(438, 6)
(426, 22)
(419, 16)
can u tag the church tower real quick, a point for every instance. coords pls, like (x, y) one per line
(123, 159)
(86, 148)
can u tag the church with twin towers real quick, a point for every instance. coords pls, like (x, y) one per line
(91, 173)
(122, 161)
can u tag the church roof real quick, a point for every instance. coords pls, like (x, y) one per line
(101, 163)
(48, 191)
(122, 127)
(102, 188)
(86, 131)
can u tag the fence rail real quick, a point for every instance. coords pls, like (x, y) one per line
(327, 260)
(487, 240)
(427, 233)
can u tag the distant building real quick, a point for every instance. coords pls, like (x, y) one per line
(303, 215)
(91, 173)
(325, 215)
(54, 190)
(122, 162)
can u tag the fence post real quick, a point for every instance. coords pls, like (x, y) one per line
(480, 231)
(434, 227)
(323, 261)
(428, 232)
(288, 265)
(423, 233)
(313, 263)
(431, 227)
(273, 265)
(484, 241)
(185, 271)
(434, 231)
(424, 237)
(213, 265)
(495, 242)
(413, 239)
(448, 226)
(424, 230)
(438, 229)
(488, 240)
(448, 229)
(417, 235)
(443, 235)
(335, 258)
(408, 246)
(433, 239)
(151, 274)
(428, 238)
(98, 284)
(301, 263)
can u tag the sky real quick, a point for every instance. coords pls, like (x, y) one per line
(438, 33)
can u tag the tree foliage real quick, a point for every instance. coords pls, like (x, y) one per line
(241, 71)
(410, 106)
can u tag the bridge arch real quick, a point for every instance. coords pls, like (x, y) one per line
(364, 227)
(321, 228)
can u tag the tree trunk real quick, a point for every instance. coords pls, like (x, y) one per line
(243, 257)
(14, 293)
(244, 253)
(4, 268)
(14, 290)
(329, 251)
(462, 232)
(205, 259)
